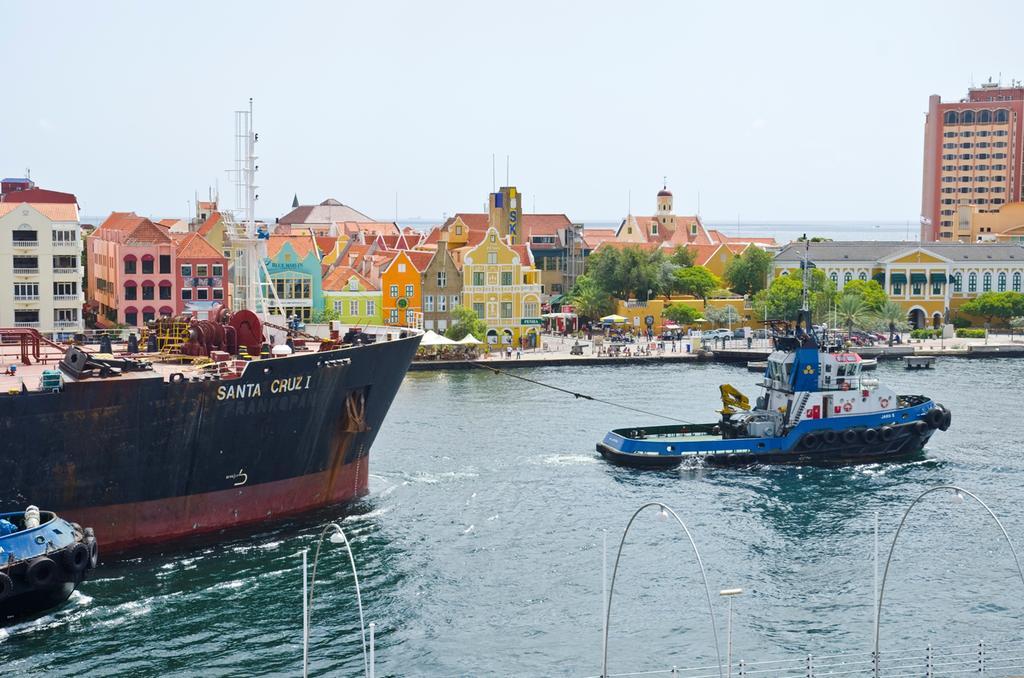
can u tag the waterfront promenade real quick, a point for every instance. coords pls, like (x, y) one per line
(557, 351)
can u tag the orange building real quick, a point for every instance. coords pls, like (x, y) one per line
(401, 288)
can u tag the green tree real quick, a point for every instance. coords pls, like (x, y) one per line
(852, 311)
(992, 305)
(326, 315)
(783, 298)
(748, 273)
(465, 321)
(892, 318)
(683, 256)
(681, 313)
(628, 273)
(697, 281)
(868, 290)
(724, 315)
(589, 300)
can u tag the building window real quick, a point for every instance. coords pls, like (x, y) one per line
(442, 279)
(936, 287)
(202, 294)
(393, 290)
(65, 315)
(1001, 282)
(338, 306)
(442, 303)
(972, 282)
(26, 291)
(1016, 281)
(130, 293)
(186, 294)
(409, 291)
(129, 265)
(131, 318)
(410, 317)
(393, 316)
(218, 269)
(957, 282)
(147, 264)
(353, 284)
(371, 307)
(147, 291)
(428, 303)
(915, 289)
(478, 278)
(186, 270)
(165, 263)
(165, 292)
(493, 238)
(201, 270)
(531, 309)
(897, 288)
(834, 277)
(492, 257)
(218, 293)
(949, 118)
(65, 289)
(455, 300)
(353, 308)
(458, 230)
(506, 309)
(401, 268)
(848, 277)
(292, 286)
(986, 284)
(479, 310)
(506, 277)
(863, 276)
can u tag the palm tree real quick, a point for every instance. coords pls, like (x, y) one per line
(852, 311)
(892, 316)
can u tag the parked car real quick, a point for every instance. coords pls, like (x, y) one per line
(760, 334)
(720, 333)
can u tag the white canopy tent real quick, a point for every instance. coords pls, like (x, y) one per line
(432, 338)
(469, 339)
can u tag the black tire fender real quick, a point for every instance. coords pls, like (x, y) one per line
(935, 417)
(850, 436)
(76, 557)
(94, 551)
(829, 437)
(42, 573)
(6, 586)
(810, 441)
(869, 435)
(947, 419)
(887, 433)
(919, 427)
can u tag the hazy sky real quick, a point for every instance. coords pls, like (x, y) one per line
(769, 110)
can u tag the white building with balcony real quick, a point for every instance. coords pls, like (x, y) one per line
(41, 267)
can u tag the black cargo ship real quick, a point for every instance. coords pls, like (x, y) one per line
(145, 457)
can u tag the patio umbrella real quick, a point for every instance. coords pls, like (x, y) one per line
(613, 319)
(469, 339)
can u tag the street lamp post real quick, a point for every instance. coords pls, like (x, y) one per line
(730, 594)
(663, 514)
(959, 493)
(337, 537)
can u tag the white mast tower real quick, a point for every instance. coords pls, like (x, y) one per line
(247, 240)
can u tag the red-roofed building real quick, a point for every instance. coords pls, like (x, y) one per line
(201, 273)
(663, 227)
(131, 270)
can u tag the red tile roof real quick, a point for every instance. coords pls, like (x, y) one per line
(419, 259)
(595, 236)
(195, 246)
(209, 224)
(337, 280)
(121, 221)
(302, 244)
(146, 232)
(326, 243)
(52, 211)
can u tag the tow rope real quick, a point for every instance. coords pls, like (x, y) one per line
(580, 396)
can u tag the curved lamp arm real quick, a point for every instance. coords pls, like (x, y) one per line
(355, 576)
(615, 570)
(892, 548)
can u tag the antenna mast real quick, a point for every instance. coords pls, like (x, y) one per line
(807, 247)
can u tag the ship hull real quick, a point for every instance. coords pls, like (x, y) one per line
(146, 460)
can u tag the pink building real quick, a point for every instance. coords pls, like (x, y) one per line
(131, 270)
(200, 273)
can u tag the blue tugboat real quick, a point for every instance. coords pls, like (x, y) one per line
(43, 558)
(816, 408)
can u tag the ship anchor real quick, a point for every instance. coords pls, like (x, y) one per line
(242, 477)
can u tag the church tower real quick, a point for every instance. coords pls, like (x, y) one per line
(665, 220)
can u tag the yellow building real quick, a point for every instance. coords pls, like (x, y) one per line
(501, 285)
(931, 280)
(639, 314)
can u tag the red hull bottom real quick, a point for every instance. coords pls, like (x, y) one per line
(123, 526)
